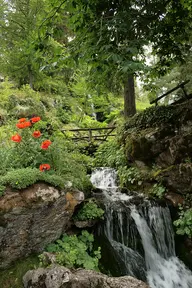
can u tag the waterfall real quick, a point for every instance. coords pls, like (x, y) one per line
(141, 235)
(93, 114)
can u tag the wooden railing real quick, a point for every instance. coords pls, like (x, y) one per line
(77, 133)
(182, 86)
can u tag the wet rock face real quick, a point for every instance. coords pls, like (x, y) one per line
(32, 218)
(179, 178)
(60, 277)
(157, 145)
(162, 136)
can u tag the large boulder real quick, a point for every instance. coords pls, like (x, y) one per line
(60, 277)
(32, 218)
(178, 178)
(160, 135)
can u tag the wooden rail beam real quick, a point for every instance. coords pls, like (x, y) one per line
(182, 86)
(87, 129)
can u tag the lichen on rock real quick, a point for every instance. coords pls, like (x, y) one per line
(60, 277)
(32, 218)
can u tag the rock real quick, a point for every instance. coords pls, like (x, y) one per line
(179, 178)
(86, 223)
(161, 135)
(174, 198)
(141, 165)
(60, 277)
(32, 218)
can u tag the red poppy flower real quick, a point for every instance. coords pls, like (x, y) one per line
(16, 138)
(22, 120)
(36, 134)
(45, 144)
(20, 125)
(44, 167)
(27, 124)
(23, 125)
(35, 119)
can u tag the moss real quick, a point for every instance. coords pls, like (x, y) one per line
(159, 172)
(137, 146)
(12, 277)
(154, 117)
(22, 178)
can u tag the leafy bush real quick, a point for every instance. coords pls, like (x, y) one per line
(64, 160)
(20, 102)
(90, 210)
(75, 251)
(158, 190)
(184, 223)
(129, 176)
(110, 154)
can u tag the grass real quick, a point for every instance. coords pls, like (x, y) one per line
(142, 105)
(12, 277)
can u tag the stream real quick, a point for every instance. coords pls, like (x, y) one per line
(140, 235)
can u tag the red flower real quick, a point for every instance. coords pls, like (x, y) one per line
(20, 125)
(36, 134)
(35, 119)
(44, 167)
(22, 120)
(16, 138)
(23, 125)
(45, 144)
(27, 124)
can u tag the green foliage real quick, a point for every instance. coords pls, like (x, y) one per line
(12, 277)
(19, 102)
(110, 154)
(142, 105)
(154, 117)
(158, 190)
(184, 223)
(75, 251)
(20, 178)
(24, 177)
(129, 176)
(35, 52)
(90, 210)
(67, 163)
(2, 189)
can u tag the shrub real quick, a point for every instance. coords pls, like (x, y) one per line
(31, 152)
(129, 175)
(158, 190)
(110, 154)
(90, 210)
(184, 223)
(75, 251)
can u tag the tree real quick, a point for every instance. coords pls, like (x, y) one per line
(110, 36)
(29, 49)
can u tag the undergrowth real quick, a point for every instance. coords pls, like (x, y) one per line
(74, 251)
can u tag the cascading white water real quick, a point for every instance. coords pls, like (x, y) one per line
(106, 180)
(93, 114)
(161, 272)
(153, 224)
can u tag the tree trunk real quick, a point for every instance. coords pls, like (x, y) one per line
(129, 97)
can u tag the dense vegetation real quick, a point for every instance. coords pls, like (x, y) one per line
(67, 65)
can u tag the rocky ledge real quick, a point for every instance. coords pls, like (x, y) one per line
(61, 277)
(32, 218)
